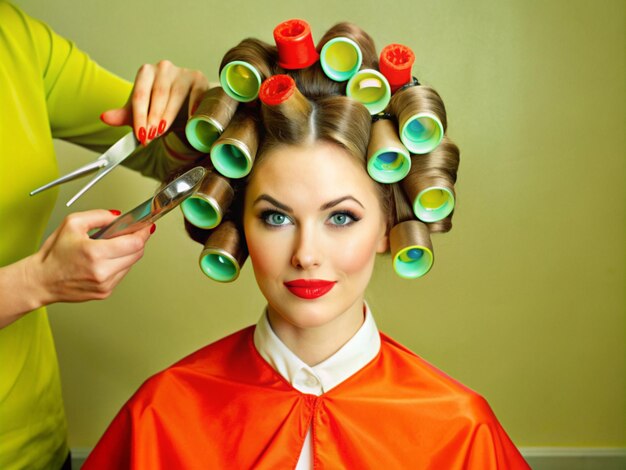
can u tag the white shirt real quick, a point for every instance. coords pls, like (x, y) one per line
(316, 380)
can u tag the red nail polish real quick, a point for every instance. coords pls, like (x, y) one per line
(101, 118)
(142, 135)
(162, 125)
(152, 229)
(115, 212)
(152, 133)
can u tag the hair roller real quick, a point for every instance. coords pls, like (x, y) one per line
(421, 118)
(371, 88)
(388, 161)
(343, 49)
(396, 62)
(430, 183)
(244, 67)
(295, 45)
(233, 153)
(224, 253)
(285, 110)
(207, 206)
(213, 114)
(411, 249)
(356, 34)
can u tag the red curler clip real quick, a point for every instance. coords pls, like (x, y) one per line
(277, 89)
(396, 62)
(295, 45)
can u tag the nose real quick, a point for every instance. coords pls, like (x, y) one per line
(306, 252)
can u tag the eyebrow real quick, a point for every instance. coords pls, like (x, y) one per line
(286, 208)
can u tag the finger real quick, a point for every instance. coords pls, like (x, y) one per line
(196, 95)
(83, 222)
(118, 117)
(165, 79)
(124, 245)
(177, 99)
(140, 100)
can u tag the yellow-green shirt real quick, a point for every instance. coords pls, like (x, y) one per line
(48, 89)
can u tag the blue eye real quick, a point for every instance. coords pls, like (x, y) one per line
(275, 219)
(343, 218)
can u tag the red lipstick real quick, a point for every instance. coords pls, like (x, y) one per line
(309, 288)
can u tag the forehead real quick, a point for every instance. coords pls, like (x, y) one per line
(318, 172)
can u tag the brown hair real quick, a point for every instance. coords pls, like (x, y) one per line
(320, 111)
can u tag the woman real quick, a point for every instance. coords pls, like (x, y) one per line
(51, 89)
(313, 384)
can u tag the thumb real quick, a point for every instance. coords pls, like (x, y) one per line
(83, 222)
(118, 117)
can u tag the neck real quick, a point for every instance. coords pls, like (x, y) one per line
(315, 344)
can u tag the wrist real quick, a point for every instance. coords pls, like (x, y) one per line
(34, 282)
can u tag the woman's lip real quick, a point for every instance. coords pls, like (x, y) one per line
(309, 288)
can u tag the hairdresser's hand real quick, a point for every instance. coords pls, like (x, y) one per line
(161, 94)
(71, 267)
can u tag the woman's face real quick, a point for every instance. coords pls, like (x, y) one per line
(313, 225)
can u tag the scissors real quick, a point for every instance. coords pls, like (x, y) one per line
(156, 207)
(116, 154)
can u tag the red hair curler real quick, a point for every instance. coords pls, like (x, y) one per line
(396, 62)
(277, 89)
(295, 45)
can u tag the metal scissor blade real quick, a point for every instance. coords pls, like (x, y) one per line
(134, 220)
(83, 170)
(115, 155)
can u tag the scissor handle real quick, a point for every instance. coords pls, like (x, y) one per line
(83, 170)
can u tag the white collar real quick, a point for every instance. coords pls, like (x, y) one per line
(350, 358)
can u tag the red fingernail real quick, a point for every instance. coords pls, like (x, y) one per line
(142, 135)
(152, 229)
(115, 212)
(101, 117)
(162, 125)
(152, 133)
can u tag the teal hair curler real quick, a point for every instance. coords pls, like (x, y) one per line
(207, 206)
(210, 119)
(421, 118)
(371, 88)
(388, 161)
(233, 153)
(224, 253)
(241, 80)
(341, 58)
(411, 249)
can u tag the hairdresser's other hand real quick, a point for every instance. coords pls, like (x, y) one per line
(71, 267)
(158, 98)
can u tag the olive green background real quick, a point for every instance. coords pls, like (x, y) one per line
(525, 303)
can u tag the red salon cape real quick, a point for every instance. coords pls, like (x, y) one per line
(225, 407)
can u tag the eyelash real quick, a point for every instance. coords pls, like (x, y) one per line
(266, 214)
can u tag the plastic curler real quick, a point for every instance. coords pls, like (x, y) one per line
(371, 88)
(207, 206)
(224, 253)
(234, 151)
(396, 62)
(432, 196)
(429, 186)
(421, 118)
(240, 80)
(295, 45)
(210, 119)
(411, 249)
(283, 103)
(341, 58)
(388, 161)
